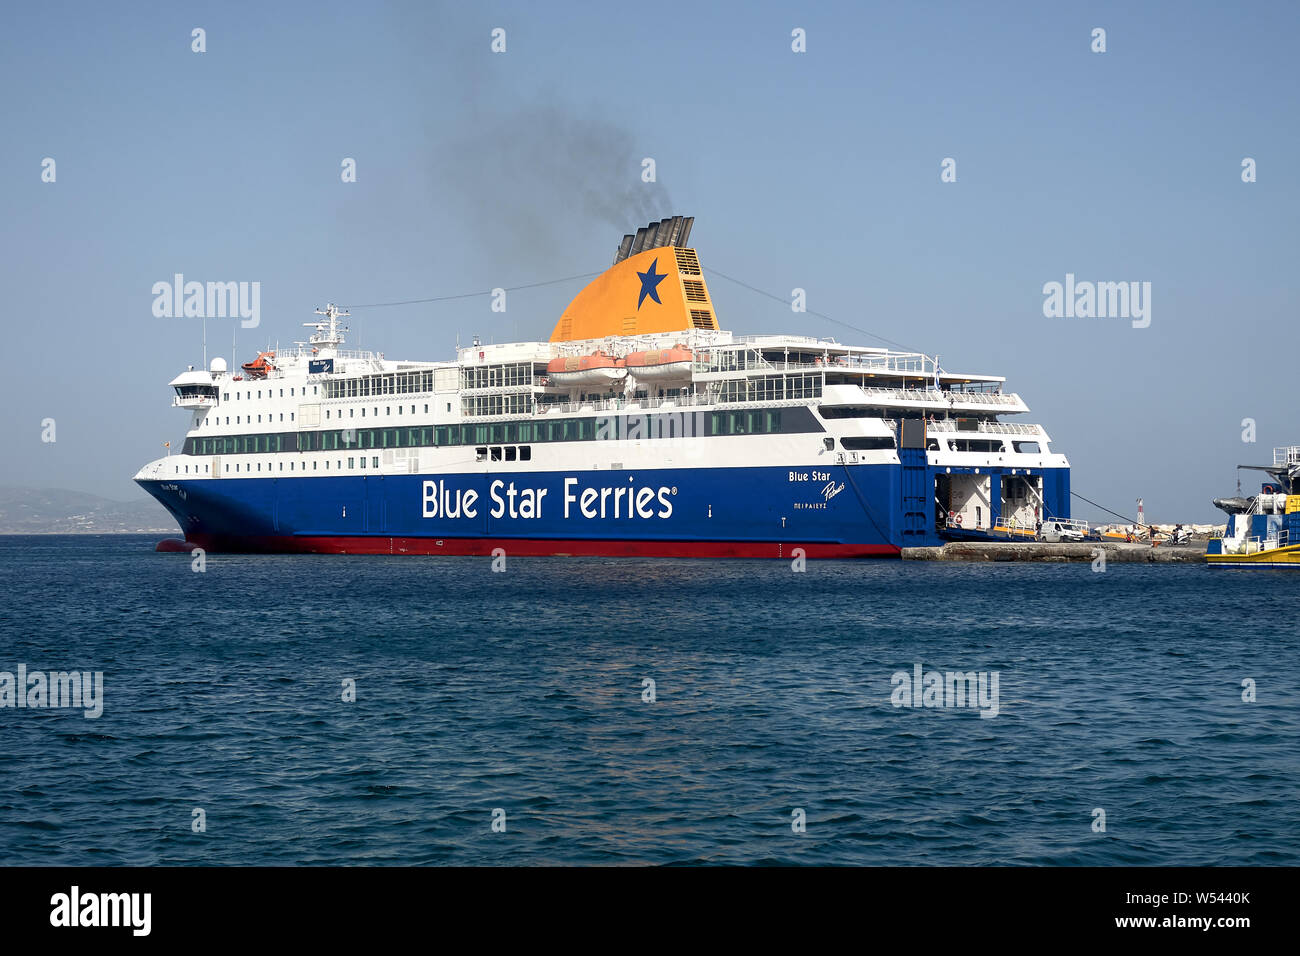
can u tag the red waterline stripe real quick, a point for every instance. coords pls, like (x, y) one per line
(524, 547)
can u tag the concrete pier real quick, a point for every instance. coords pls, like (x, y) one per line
(1116, 551)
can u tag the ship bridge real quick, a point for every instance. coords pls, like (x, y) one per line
(196, 388)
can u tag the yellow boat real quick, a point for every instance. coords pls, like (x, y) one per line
(1284, 557)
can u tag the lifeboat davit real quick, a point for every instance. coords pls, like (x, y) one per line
(660, 365)
(595, 369)
(260, 365)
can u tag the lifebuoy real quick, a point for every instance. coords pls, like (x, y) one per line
(1269, 490)
(957, 521)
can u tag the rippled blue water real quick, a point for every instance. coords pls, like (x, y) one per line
(523, 690)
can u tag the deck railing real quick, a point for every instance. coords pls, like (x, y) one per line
(941, 397)
(995, 428)
(623, 404)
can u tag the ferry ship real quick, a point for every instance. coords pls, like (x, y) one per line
(1263, 531)
(641, 427)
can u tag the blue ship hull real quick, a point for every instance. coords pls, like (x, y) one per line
(831, 511)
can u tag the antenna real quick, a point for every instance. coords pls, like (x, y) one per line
(329, 333)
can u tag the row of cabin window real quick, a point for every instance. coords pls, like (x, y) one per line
(335, 440)
(507, 453)
(985, 445)
(248, 395)
(387, 383)
(216, 419)
(341, 389)
(761, 421)
(248, 467)
(867, 443)
(497, 376)
(388, 410)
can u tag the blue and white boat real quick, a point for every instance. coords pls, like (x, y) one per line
(1263, 531)
(639, 428)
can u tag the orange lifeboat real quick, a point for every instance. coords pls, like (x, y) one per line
(660, 364)
(595, 369)
(260, 365)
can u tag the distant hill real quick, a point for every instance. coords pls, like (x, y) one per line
(58, 511)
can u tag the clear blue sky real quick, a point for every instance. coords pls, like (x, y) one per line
(818, 170)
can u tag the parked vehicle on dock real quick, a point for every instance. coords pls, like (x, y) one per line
(1064, 529)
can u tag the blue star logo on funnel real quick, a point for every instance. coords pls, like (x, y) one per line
(650, 284)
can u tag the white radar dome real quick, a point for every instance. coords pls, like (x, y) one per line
(218, 365)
